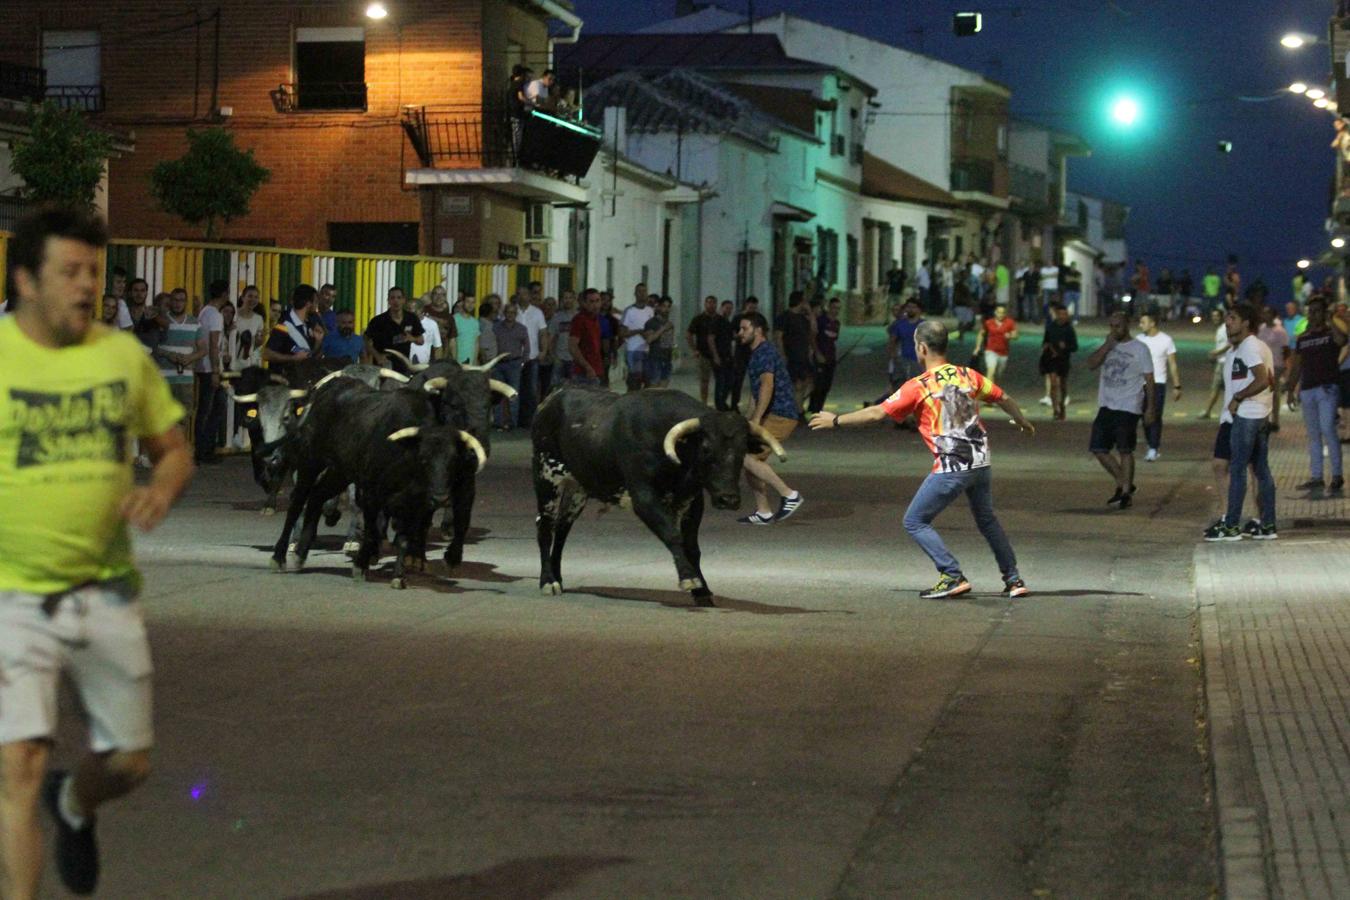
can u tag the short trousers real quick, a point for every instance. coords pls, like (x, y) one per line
(96, 634)
(778, 426)
(1114, 429)
(1054, 364)
(1223, 441)
(705, 366)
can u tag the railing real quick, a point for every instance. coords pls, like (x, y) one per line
(488, 137)
(1075, 214)
(1030, 186)
(1113, 220)
(11, 208)
(83, 97)
(973, 175)
(321, 96)
(23, 83)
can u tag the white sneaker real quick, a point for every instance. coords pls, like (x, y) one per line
(1151, 455)
(1045, 401)
(1067, 399)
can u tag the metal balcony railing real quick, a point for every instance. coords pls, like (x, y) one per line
(320, 96)
(1030, 186)
(973, 175)
(83, 97)
(11, 208)
(489, 137)
(23, 83)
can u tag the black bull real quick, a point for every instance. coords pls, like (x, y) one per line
(660, 448)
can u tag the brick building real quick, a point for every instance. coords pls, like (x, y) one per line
(360, 120)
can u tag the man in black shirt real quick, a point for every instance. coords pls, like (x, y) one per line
(700, 338)
(741, 353)
(1312, 381)
(1057, 348)
(394, 329)
(796, 332)
(723, 339)
(297, 336)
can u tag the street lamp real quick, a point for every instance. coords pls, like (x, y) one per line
(1338, 242)
(1320, 103)
(1304, 263)
(1125, 111)
(1297, 40)
(1298, 87)
(1314, 93)
(377, 11)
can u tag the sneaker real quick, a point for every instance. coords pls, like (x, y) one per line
(1251, 529)
(1312, 484)
(1265, 533)
(1015, 588)
(76, 850)
(1116, 497)
(947, 586)
(1126, 501)
(1221, 532)
(756, 518)
(1045, 401)
(787, 507)
(1151, 455)
(1067, 399)
(1337, 484)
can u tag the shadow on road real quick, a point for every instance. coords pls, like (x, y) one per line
(681, 600)
(519, 879)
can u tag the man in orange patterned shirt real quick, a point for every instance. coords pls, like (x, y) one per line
(945, 400)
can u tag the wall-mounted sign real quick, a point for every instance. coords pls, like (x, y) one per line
(455, 205)
(508, 251)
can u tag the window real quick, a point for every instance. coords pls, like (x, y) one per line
(538, 222)
(1003, 142)
(852, 263)
(745, 275)
(330, 68)
(827, 262)
(73, 63)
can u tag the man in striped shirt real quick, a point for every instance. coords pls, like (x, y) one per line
(181, 345)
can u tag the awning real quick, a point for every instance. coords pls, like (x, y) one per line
(790, 212)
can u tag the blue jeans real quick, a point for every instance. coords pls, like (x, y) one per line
(1250, 443)
(1319, 415)
(1153, 433)
(508, 370)
(637, 366)
(936, 493)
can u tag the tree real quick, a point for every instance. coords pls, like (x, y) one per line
(63, 157)
(212, 183)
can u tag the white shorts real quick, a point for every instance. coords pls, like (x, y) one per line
(97, 635)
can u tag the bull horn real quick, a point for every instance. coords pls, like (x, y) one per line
(487, 366)
(677, 431)
(396, 376)
(228, 376)
(435, 385)
(404, 433)
(277, 379)
(476, 447)
(297, 393)
(777, 448)
(412, 366)
(501, 387)
(327, 378)
(246, 398)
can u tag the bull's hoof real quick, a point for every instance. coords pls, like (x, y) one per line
(358, 574)
(398, 583)
(269, 511)
(552, 588)
(415, 563)
(692, 584)
(351, 548)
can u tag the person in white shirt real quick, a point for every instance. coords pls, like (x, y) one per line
(631, 328)
(210, 388)
(532, 317)
(1049, 287)
(250, 332)
(430, 349)
(1125, 392)
(538, 92)
(924, 280)
(1244, 435)
(1164, 352)
(1216, 354)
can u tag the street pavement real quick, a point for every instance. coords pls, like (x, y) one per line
(822, 733)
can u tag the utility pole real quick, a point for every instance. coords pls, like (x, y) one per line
(751, 14)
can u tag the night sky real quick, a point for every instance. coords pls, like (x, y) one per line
(1187, 61)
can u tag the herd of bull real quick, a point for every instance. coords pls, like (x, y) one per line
(403, 446)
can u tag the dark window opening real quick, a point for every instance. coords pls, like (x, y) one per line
(330, 74)
(394, 238)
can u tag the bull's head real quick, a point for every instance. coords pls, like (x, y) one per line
(465, 398)
(438, 449)
(271, 420)
(716, 444)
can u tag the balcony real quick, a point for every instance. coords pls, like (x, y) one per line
(26, 84)
(975, 181)
(11, 208)
(540, 157)
(82, 97)
(1030, 188)
(320, 96)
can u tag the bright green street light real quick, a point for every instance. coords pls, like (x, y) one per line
(1125, 111)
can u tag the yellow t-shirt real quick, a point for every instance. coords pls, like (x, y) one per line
(67, 421)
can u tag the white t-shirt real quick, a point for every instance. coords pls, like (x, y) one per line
(211, 321)
(1125, 372)
(1277, 339)
(1049, 278)
(924, 280)
(124, 316)
(635, 319)
(1238, 363)
(536, 91)
(250, 333)
(1160, 346)
(1221, 338)
(532, 317)
(421, 353)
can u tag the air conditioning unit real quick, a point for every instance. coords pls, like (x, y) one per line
(538, 222)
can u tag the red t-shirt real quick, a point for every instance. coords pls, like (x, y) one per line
(586, 329)
(996, 334)
(944, 401)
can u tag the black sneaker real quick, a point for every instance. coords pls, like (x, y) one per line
(1015, 588)
(756, 518)
(1265, 533)
(947, 586)
(1251, 529)
(76, 850)
(1221, 532)
(788, 506)
(1337, 485)
(1116, 497)
(1126, 501)
(1312, 484)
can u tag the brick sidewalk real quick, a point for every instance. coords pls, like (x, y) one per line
(1289, 464)
(1275, 626)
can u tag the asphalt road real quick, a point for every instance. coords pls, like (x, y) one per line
(822, 733)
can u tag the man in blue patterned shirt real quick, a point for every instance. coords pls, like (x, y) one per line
(773, 407)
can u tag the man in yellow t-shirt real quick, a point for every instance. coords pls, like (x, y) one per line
(74, 396)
